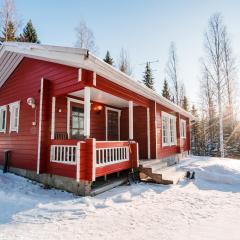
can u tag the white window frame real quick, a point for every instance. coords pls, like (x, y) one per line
(13, 107)
(170, 118)
(69, 101)
(106, 123)
(183, 128)
(3, 109)
(165, 117)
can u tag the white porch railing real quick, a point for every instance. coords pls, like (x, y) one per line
(111, 155)
(64, 154)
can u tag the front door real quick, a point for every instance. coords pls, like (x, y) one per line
(77, 122)
(113, 125)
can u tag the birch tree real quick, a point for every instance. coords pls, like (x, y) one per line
(8, 21)
(85, 37)
(172, 73)
(124, 62)
(213, 63)
(229, 71)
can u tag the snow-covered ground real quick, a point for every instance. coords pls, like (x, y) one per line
(206, 208)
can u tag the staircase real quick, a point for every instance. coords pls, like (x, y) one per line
(162, 171)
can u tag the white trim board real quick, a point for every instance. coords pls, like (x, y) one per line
(53, 118)
(69, 100)
(40, 128)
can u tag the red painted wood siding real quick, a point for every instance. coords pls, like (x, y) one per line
(165, 151)
(22, 84)
(139, 128)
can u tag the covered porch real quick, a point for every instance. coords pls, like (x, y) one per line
(95, 133)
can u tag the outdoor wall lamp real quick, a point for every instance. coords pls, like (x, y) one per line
(31, 103)
(98, 109)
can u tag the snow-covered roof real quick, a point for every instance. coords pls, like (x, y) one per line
(11, 54)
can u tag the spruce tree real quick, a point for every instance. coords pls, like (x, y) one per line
(195, 134)
(148, 79)
(29, 34)
(9, 33)
(185, 103)
(166, 91)
(108, 59)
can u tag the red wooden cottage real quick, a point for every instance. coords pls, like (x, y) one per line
(68, 118)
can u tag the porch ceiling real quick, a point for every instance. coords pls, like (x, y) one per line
(102, 97)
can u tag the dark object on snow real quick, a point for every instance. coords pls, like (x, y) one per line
(188, 174)
(193, 175)
(133, 177)
(6, 161)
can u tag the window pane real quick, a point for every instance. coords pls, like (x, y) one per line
(77, 123)
(3, 120)
(15, 117)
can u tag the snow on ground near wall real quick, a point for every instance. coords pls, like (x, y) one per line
(206, 208)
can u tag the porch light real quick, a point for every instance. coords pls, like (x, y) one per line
(98, 108)
(31, 102)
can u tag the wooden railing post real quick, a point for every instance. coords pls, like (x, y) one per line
(134, 155)
(91, 158)
(78, 159)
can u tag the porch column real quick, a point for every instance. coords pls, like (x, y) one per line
(53, 117)
(148, 133)
(87, 109)
(130, 104)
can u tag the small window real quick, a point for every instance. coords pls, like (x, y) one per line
(183, 128)
(172, 130)
(165, 130)
(14, 116)
(3, 118)
(168, 129)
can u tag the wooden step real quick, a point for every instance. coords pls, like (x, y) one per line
(158, 172)
(146, 173)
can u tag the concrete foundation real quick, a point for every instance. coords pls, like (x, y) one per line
(83, 188)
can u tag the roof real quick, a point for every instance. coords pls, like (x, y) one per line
(11, 54)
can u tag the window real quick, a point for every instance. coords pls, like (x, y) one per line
(14, 116)
(77, 123)
(165, 130)
(3, 118)
(172, 130)
(183, 128)
(168, 129)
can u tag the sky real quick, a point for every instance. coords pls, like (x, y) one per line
(145, 28)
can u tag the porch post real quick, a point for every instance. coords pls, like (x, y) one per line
(87, 109)
(130, 103)
(148, 133)
(53, 117)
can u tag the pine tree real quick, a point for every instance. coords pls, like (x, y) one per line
(9, 33)
(108, 59)
(166, 91)
(29, 34)
(148, 79)
(185, 103)
(197, 143)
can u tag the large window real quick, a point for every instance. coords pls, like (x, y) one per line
(168, 129)
(14, 116)
(183, 128)
(3, 118)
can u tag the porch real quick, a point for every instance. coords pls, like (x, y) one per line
(93, 134)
